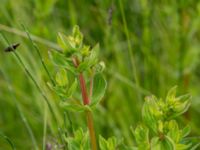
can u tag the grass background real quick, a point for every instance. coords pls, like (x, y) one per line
(148, 47)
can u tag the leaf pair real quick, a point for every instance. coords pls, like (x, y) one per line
(177, 105)
(159, 130)
(70, 44)
(63, 87)
(99, 88)
(109, 144)
(80, 141)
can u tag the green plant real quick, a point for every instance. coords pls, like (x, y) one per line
(164, 47)
(160, 130)
(79, 62)
(78, 66)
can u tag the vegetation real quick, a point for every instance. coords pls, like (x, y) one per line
(54, 95)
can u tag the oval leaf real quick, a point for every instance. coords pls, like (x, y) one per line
(99, 88)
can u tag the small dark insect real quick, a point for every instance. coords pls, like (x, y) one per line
(11, 47)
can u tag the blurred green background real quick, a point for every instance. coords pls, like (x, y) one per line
(148, 47)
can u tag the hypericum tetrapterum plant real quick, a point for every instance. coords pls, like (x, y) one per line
(78, 63)
(159, 129)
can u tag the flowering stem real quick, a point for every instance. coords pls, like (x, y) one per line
(84, 93)
(86, 101)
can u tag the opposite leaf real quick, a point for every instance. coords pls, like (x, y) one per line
(80, 141)
(173, 130)
(109, 144)
(61, 61)
(162, 144)
(75, 106)
(90, 60)
(151, 113)
(141, 134)
(67, 43)
(99, 88)
(78, 36)
(61, 77)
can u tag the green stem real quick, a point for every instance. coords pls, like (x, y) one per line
(91, 130)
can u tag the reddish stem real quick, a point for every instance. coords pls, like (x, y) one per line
(85, 97)
(86, 101)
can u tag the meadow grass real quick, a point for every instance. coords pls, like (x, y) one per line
(147, 47)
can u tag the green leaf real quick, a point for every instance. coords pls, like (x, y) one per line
(151, 113)
(72, 88)
(62, 41)
(62, 90)
(181, 105)
(74, 106)
(176, 106)
(61, 77)
(61, 61)
(98, 89)
(102, 143)
(100, 67)
(66, 43)
(160, 126)
(173, 130)
(80, 141)
(184, 98)
(141, 134)
(85, 51)
(171, 95)
(182, 147)
(185, 131)
(109, 144)
(78, 36)
(59, 90)
(112, 142)
(192, 142)
(91, 60)
(162, 144)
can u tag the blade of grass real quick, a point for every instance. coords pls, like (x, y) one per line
(39, 54)
(32, 78)
(44, 128)
(129, 82)
(35, 38)
(72, 12)
(132, 59)
(60, 134)
(24, 120)
(8, 140)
